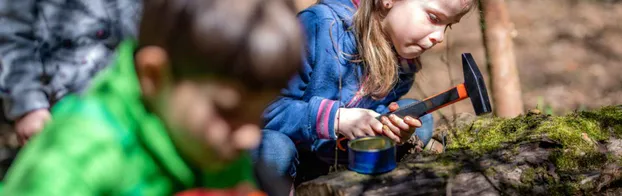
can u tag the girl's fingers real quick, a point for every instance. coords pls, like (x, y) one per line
(412, 122)
(369, 131)
(398, 122)
(359, 133)
(391, 126)
(376, 126)
(349, 135)
(387, 132)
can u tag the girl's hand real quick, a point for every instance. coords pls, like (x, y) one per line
(357, 122)
(398, 129)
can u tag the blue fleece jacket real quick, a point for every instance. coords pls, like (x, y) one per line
(307, 107)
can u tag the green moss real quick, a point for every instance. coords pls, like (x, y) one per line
(490, 172)
(611, 158)
(587, 186)
(489, 134)
(608, 117)
(570, 161)
(617, 130)
(528, 176)
(563, 161)
(564, 189)
(576, 135)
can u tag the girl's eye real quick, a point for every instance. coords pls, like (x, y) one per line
(434, 18)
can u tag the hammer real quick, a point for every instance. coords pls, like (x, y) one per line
(473, 87)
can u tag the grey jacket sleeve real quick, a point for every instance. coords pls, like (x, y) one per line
(21, 69)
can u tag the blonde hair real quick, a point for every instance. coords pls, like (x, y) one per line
(375, 50)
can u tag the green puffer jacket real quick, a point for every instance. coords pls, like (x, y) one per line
(105, 143)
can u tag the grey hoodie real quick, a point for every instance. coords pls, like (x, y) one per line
(53, 47)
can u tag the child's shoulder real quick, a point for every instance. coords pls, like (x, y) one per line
(88, 117)
(317, 12)
(327, 13)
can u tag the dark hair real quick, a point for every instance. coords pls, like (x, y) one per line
(257, 42)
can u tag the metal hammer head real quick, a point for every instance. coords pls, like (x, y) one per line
(475, 86)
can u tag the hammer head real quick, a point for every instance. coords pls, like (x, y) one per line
(475, 86)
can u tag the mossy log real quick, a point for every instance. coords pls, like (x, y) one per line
(533, 154)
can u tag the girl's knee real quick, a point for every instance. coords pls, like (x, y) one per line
(279, 151)
(426, 130)
(279, 142)
(427, 120)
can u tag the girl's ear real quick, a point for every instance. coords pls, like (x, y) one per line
(387, 4)
(151, 63)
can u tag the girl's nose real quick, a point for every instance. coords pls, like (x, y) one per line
(437, 37)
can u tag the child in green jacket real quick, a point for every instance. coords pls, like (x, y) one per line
(176, 111)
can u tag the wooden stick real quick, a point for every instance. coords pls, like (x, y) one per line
(504, 82)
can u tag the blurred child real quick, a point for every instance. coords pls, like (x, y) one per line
(361, 58)
(52, 48)
(176, 110)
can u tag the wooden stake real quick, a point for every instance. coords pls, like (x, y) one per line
(497, 36)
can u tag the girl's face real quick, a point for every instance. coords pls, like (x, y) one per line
(417, 25)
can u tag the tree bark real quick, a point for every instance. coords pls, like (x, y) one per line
(489, 175)
(497, 36)
(537, 162)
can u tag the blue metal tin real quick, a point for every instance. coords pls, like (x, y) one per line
(371, 155)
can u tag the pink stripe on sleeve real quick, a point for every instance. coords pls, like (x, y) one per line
(326, 120)
(318, 122)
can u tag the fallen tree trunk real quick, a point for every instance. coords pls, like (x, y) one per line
(532, 154)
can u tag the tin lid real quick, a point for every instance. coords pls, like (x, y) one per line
(371, 144)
